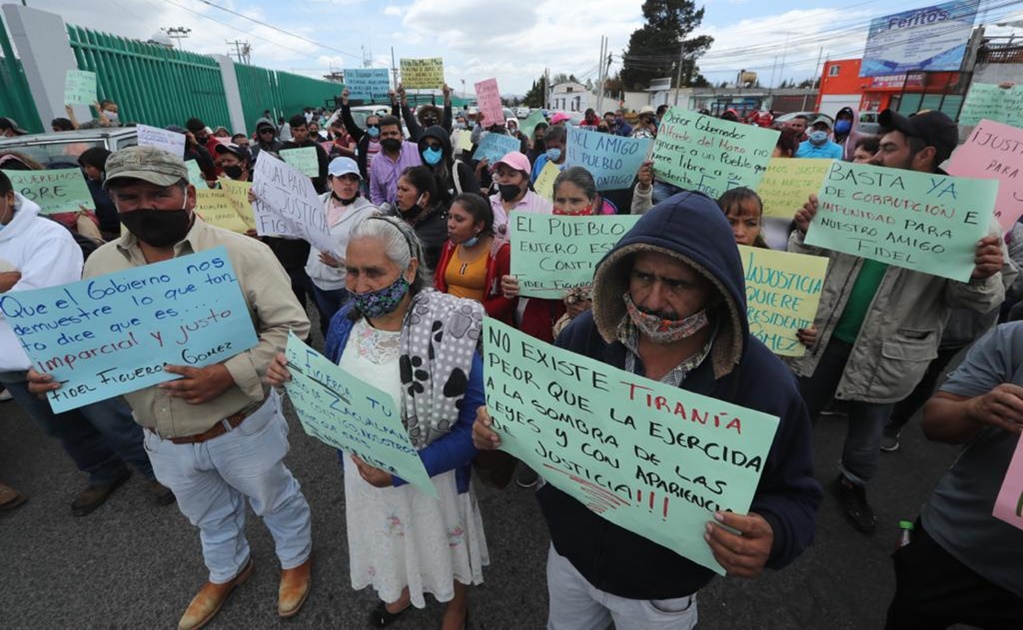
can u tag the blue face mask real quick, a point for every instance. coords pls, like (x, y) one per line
(373, 132)
(818, 137)
(471, 242)
(432, 156)
(843, 126)
(553, 154)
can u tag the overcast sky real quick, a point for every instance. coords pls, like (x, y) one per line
(513, 41)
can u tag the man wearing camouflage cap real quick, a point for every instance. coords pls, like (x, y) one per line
(217, 435)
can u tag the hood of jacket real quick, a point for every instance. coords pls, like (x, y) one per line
(691, 228)
(852, 112)
(267, 121)
(440, 134)
(25, 212)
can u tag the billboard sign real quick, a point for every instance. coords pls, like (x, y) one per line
(930, 38)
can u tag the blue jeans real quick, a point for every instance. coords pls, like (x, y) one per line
(100, 438)
(865, 422)
(211, 481)
(328, 303)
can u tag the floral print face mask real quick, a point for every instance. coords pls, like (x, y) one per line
(383, 301)
(665, 331)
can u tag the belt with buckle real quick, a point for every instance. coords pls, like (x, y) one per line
(216, 430)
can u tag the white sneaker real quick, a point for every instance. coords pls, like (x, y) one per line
(5, 396)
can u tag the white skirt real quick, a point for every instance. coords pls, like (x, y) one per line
(400, 537)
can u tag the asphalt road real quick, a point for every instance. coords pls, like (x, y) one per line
(132, 564)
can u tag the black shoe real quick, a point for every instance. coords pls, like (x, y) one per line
(94, 496)
(853, 499)
(890, 440)
(380, 617)
(526, 477)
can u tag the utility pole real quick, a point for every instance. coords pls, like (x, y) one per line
(600, 75)
(678, 74)
(784, 53)
(177, 32)
(394, 69)
(242, 50)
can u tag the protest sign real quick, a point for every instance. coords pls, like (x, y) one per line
(710, 155)
(994, 150)
(368, 84)
(652, 458)
(170, 141)
(216, 209)
(304, 159)
(422, 74)
(287, 204)
(1009, 504)
(113, 334)
(495, 146)
(463, 140)
(783, 291)
(238, 197)
(62, 190)
(528, 125)
(79, 87)
(612, 160)
(788, 184)
(544, 184)
(195, 175)
(348, 413)
(990, 102)
(920, 221)
(551, 254)
(489, 98)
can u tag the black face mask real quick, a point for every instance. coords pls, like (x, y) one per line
(344, 202)
(159, 228)
(509, 191)
(234, 172)
(391, 144)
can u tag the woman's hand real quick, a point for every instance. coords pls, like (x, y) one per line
(807, 336)
(373, 476)
(344, 96)
(806, 214)
(277, 373)
(510, 287)
(328, 259)
(483, 437)
(645, 175)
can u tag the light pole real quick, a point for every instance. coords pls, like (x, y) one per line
(177, 32)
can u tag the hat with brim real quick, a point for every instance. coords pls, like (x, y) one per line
(148, 164)
(933, 127)
(560, 117)
(239, 152)
(515, 160)
(343, 166)
(10, 123)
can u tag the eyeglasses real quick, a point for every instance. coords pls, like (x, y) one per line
(375, 126)
(262, 131)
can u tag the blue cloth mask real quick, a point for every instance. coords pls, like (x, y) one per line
(374, 304)
(843, 126)
(817, 138)
(373, 132)
(553, 154)
(432, 156)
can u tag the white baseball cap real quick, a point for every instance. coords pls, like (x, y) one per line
(343, 166)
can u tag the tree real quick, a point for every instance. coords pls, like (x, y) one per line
(537, 94)
(656, 47)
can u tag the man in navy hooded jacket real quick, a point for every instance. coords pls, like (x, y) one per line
(669, 303)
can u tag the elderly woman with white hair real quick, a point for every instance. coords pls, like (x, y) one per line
(421, 346)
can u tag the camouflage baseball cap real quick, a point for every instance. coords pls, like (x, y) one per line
(149, 164)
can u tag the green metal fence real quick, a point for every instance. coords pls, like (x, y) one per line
(15, 97)
(152, 84)
(282, 93)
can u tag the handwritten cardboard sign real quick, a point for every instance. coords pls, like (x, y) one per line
(112, 334)
(348, 413)
(654, 459)
(544, 184)
(304, 159)
(287, 204)
(495, 146)
(170, 141)
(489, 98)
(710, 155)
(462, 140)
(367, 84)
(238, 197)
(55, 191)
(788, 184)
(783, 291)
(422, 74)
(920, 221)
(995, 150)
(195, 175)
(551, 254)
(216, 208)
(612, 160)
(1009, 504)
(79, 87)
(988, 101)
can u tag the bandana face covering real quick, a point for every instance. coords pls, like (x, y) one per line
(665, 331)
(374, 304)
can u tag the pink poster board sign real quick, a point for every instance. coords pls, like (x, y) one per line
(995, 151)
(489, 98)
(1009, 504)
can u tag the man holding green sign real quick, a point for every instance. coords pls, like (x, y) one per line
(638, 529)
(880, 319)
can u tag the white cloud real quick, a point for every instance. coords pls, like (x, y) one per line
(394, 11)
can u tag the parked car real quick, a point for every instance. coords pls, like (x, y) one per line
(361, 112)
(810, 116)
(62, 149)
(869, 123)
(522, 112)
